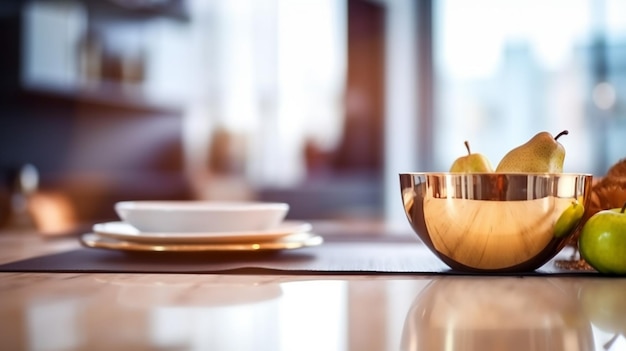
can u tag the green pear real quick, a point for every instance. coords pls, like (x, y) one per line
(569, 219)
(541, 154)
(471, 163)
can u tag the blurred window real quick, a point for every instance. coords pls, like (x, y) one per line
(506, 70)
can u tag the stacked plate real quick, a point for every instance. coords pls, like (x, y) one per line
(196, 226)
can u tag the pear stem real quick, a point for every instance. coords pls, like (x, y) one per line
(565, 132)
(467, 147)
(623, 208)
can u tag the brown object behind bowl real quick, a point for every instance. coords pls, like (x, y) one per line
(607, 192)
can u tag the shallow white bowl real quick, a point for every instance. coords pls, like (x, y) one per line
(201, 216)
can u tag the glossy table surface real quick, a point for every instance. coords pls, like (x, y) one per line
(96, 311)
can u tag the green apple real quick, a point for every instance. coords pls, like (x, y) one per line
(602, 241)
(471, 163)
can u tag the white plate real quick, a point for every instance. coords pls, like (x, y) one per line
(125, 231)
(201, 216)
(288, 242)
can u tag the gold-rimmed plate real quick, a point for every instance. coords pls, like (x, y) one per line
(125, 232)
(289, 242)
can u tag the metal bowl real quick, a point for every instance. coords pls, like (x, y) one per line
(494, 222)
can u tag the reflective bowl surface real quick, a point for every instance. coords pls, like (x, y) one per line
(494, 222)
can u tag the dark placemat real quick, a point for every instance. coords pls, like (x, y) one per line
(337, 257)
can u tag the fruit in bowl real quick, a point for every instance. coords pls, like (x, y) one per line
(472, 162)
(512, 220)
(541, 154)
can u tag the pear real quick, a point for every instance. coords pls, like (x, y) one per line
(569, 219)
(541, 154)
(471, 163)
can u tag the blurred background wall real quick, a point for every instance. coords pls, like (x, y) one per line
(320, 103)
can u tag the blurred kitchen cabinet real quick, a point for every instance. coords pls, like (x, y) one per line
(96, 145)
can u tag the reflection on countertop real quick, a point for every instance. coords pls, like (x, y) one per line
(329, 312)
(497, 314)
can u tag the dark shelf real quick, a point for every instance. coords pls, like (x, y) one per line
(137, 10)
(109, 96)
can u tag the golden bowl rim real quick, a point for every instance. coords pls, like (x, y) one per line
(528, 174)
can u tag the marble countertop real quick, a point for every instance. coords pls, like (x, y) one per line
(128, 311)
